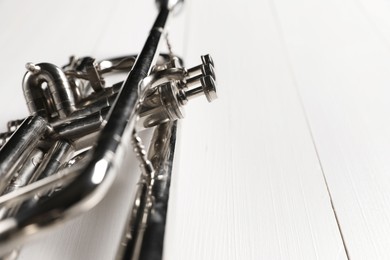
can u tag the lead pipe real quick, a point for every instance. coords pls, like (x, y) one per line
(22, 143)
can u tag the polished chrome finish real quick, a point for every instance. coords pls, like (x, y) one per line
(172, 5)
(16, 150)
(25, 174)
(170, 88)
(201, 85)
(206, 61)
(56, 156)
(208, 87)
(11, 126)
(56, 99)
(144, 233)
(94, 76)
(61, 160)
(160, 106)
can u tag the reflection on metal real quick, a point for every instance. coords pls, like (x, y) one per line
(62, 159)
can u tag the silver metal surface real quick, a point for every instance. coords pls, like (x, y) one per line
(61, 160)
(172, 5)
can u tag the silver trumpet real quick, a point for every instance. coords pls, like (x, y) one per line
(62, 159)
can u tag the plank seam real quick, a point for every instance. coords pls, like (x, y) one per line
(295, 83)
(374, 26)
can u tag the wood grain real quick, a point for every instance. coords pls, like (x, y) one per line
(289, 162)
(250, 185)
(342, 66)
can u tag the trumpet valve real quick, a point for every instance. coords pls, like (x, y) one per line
(166, 100)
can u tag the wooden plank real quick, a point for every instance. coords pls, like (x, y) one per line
(49, 31)
(249, 185)
(342, 67)
(376, 13)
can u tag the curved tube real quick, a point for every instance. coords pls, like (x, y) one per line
(17, 149)
(145, 228)
(61, 100)
(88, 188)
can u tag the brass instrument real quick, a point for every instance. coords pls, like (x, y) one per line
(62, 159)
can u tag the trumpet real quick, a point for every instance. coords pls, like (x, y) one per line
(61, 160)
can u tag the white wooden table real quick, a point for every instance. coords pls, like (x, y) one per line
(292, 161)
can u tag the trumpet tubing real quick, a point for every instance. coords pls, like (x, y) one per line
(61, 159)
